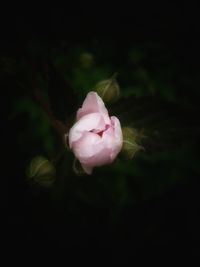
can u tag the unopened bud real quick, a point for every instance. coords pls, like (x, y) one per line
(86, 60)
(108, 90)
(41, 171)
(130, 146)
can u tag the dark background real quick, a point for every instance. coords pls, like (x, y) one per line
(149, 201)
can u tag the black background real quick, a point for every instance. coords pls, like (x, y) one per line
(176, 213)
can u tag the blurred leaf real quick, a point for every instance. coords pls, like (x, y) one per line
(37, 121)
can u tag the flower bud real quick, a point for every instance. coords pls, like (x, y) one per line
(130, 146)
(95, 138)
(41, 171)
(86, 60)
(108, 90)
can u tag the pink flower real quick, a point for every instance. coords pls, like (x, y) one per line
(95, 138)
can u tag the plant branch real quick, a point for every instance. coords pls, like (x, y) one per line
(58, 125)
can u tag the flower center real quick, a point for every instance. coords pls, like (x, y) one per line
(100, 133)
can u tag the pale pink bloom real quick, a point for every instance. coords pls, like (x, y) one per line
(95, 138)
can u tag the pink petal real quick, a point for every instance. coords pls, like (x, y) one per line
(87, 146)
(112, 138)
(99, 159)
(93, 104)
(117, 130)
(91, 151)
(86, 123)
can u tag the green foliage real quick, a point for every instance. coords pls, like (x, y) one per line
(37, 129)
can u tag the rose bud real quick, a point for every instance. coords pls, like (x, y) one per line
(95, 138)
(108, 90)
(41, 171)
(130, 146)
(86, 60)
